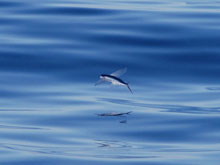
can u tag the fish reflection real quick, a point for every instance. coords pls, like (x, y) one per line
(116, 114)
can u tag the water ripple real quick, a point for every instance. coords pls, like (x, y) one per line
(52, 53)
(165, 107)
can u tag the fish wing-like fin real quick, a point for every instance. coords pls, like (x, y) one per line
(100, 81)
(119, 72)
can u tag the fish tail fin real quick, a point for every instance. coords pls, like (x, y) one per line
(128, 113)
(129, 89)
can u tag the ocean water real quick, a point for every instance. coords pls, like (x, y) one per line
(52, 53)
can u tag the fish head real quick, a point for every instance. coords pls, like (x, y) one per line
(102, 76)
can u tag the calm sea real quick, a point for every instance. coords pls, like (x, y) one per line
(52, 53)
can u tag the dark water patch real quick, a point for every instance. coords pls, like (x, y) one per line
(137, 41)
(70, 11)
(30, 62)
(210, 58)
(5, 21)
(8, 4)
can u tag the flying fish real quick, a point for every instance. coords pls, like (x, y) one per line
(114, 78)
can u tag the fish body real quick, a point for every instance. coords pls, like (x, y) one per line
(113, 79)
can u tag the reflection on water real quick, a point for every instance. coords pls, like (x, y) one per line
(122, 115)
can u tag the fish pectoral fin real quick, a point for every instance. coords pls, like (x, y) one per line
(100, 81)
(119, 72)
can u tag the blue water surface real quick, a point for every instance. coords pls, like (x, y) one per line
(52, 53)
